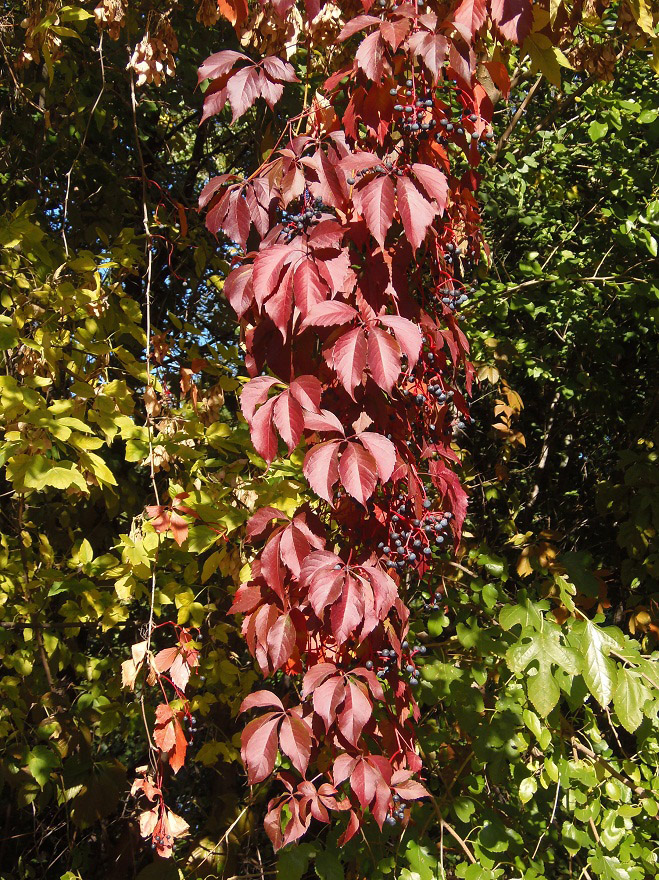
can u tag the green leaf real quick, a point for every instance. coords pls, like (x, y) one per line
(527, 789)
(292, 863)
(62, 477)
(41, 763)
(8, 337)
(545, 649)
(523, 615)
(609, 867)
(74, 13)
(629, 697)
(599, 670)
(421, 861)
(597, 130)
(328, 866)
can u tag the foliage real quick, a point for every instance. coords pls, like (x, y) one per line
(135, 503)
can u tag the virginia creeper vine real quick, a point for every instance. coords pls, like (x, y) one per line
(358, 242)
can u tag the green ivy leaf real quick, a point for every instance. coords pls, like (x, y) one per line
(546, 650)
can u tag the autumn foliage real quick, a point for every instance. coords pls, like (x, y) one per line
(356, 244)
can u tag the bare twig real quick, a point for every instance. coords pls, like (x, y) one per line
(82, 145)
(503, 140)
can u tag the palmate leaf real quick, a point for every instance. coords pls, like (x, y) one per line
(543, 648)
(599, 670)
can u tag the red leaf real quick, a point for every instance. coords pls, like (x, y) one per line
(259, 747)
(462, 59)
(434, 183)
(347, 613)
(307, 390)
(321, 468)
(384, 589)
(394, 32)
(361, 161)
(370, 56)
(410, 790)
(281, 641)
(323, 421)
(432, 49)
(356, 24)
(376, 204)
(416, 213)
(212, 187)
(259, 699)
(349, 358)
(247, 598)
(288, 418)
(242, 89)
(178, 527)
(327, 698)
(356, 713)
(513, 18)
(329, 313)
(315, 676)
(220, 63)
(408, 336)
(255, 393)
(351, 830)
(324, 589)
(259, 522)
(295, 741)
(308, 287)
(271, 567)
(294, 548)
(267, 269)
(382, 450)
(238, 289)
(238, 220)
(383, 358)
(164, 659)
(358, 472)
(272, 825)
(343, 767)
(278, 69)
(176, 757)
(280, 305)
(363, 782)
(262, 432)
(470, 17)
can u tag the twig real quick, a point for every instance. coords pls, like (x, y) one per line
(518, 115)
(637, 789)
(444, 825)
(224, 837)
(82, 146)
(557, 110)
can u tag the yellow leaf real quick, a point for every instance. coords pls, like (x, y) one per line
(545, 58)
(643, 15)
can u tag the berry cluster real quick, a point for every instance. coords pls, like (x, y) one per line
(411, 540)
(398, 812)
(165, 840)
(453, 298)
(420, 114)
(387, 656)
(310, 211)
(192, 728)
